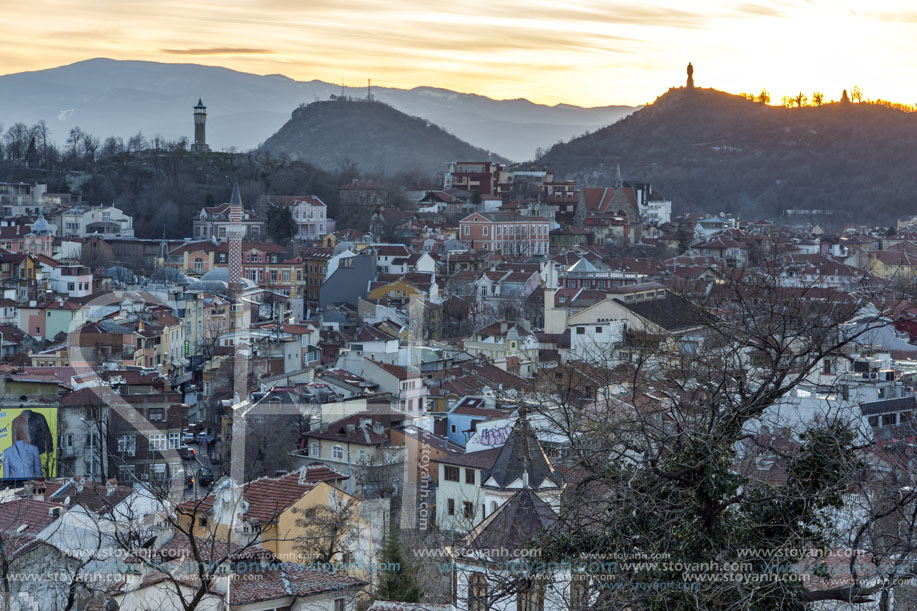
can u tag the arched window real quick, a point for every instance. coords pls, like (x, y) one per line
(579, 593)
(530, 597)
(477, 592)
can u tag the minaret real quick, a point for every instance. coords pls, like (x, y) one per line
(200, 129)
(234, 233)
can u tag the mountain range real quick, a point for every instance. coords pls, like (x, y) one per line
(119, 98)
(712, 151)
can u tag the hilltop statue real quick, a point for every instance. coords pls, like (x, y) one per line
(690, 84)
(844, 98)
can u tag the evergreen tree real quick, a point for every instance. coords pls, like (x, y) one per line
(399, 579)
(280, 224)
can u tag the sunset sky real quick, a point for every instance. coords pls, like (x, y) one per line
(585, 52)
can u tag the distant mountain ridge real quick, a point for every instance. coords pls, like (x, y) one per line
(373, 135)
(111, 97)
(711, 151)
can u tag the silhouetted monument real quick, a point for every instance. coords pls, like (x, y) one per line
(690, 84)
(844, 98)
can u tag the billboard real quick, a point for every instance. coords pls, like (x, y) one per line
(27, 438)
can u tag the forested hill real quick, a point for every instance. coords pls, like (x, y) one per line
(712, 151)
(374, 136)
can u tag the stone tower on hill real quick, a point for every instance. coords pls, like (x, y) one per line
(200, 129)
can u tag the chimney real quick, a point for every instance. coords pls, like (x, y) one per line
(38, 491)
(378, 429)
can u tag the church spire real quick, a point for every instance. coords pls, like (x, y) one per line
(619, 182)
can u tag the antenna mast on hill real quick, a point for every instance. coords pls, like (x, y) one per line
(369, 90)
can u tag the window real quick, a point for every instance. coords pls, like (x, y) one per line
(222, 232)
(174, 441)
(337, 452)
(452, 427)
(158, 472)
(71, 286)
(468, 510)
(873, 421)
(362, 456)
(889, 419)
(485, 230)
(598, 329)
(286, 275)
(469, 476)
(467, 230)
(531, 598)
(273, 275)
(581, 330)
(157, 414)
(222, 257)
(126, 473)
(202, 520)
(198, 265)
(314, 449)
(451, 474)
(477, 592)
(450, 506)
(579, 593)
(157, 442)
(338, 604)
(127, 444)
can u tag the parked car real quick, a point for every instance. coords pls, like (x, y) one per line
(202, 437)
(187, 437)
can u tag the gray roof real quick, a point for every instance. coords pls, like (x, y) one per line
(522, 453)
(672, 313)
(516, 524)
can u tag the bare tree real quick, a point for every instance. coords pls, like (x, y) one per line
(660, 443)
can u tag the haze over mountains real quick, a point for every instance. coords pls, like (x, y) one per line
(711, 151)
(109, 97)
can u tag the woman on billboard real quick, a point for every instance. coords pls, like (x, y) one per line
(31, 438)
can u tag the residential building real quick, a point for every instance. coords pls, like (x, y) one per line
(507, 233)
(213, 223)
(104, 221)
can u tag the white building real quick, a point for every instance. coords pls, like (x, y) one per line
(106, 221)
(71, 280)
(311, 216)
